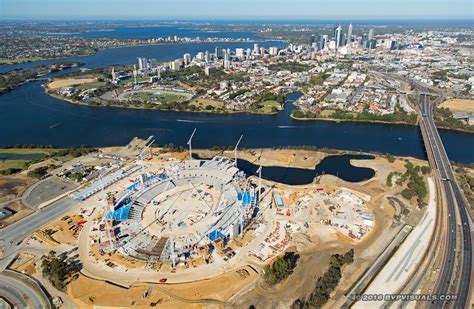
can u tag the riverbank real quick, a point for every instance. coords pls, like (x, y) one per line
(143, 107)
(376, 121)
(6, 62)
(353, 120)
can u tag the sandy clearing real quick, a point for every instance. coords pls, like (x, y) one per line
(459, 105)
(60, 83)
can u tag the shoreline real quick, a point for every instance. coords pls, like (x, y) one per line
(377, 121)
(228, 112)
(140, 44)
(399, 123)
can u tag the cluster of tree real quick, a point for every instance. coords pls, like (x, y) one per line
(390, 158)
(466, 182)
(270, 96)
(416, 186)
(289, 66)
(327, 283)
(444, 118)
(281, 268)
(73, 151)
(186, 74)
(319, 79)
(397, 116)
(38, 172)
(57, 269)
(389, 181)
(10, 171)
(28, 146)
(172, 148)
(14, 78)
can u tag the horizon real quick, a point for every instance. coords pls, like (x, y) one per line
(305, 10)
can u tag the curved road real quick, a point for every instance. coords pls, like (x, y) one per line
(457, 210)
(19, 293)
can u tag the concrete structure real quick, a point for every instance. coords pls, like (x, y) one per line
(185, 208)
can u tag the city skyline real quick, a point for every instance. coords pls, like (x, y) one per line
(245, 10)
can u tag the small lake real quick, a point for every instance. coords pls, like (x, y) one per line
(20, 156)
(337, 165)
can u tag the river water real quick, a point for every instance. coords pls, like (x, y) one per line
(28, 115)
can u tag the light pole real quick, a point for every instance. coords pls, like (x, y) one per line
(259, 171)
(190, 147)
(235, 149)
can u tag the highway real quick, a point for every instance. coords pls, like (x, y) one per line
(21, 294)
(450, 281)
(12, 236)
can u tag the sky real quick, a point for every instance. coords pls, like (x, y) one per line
(238, 9)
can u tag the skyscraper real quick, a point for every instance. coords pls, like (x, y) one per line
(349, 34)
(322, 41)
(239, 52)
(371, 34)
(338, 36)
(256, 49)
(142, 64)
(219, 52)
(187, 58)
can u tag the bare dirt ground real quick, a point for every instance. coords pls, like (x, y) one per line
(240, 292)
(69, 82)
(11, 189)
(459, 105)
(20, 212)
(13, 186)
(314, 263)
(87, 292)
(274, 157)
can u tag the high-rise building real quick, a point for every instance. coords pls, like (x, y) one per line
(142, 64)
(273, 51)
(312, 39)
(187, 58)
(371, 34)
(338, 36)
(239, 53)
(114, 75)
(323, 41)
(219, 51)
(256, 49)
(349, 34)
(175, 65)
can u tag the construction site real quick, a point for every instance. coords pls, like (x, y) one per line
(163, 224)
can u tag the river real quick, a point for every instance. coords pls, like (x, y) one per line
(28, 115)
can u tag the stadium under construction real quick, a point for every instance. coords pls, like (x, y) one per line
(180, 211)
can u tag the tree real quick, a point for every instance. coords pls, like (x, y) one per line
(281, 268)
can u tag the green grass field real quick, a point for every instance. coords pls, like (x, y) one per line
(205, 102)
(150, 97)
(132, 80)
(268, 106)
(25, 156)
(87, 86)
(27, 150)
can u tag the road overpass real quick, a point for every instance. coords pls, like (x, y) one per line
(12, 236)
(455, 275)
